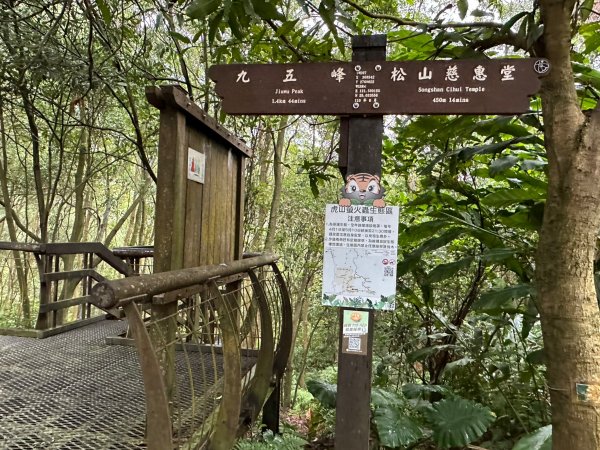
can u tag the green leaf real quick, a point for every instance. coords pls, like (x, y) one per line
(540, 439)
(502, 164)
(267, 10)
(480, 13)
(234, 26)
(505, 197)
(533, 164)
(180, 37)
(442, 240)
(351, 24)
(413, 390)
(326, 393)
(522, 33)
(463, 7)
(458, 422)
(440, 39)
(381, 398)
(105, 10)
(328, 16)
(536, 357)
(587, 75)
(458, 363)
(508, 25)
(445, 271)
(285, 28)
(395, 429)
(213, 26)
(500, 299)
(528, 218)
(424, 352)
(498, 254)
(535, 32)
(529, 318)
(467, 153)
(422, 230)
(585, 10)
(413, 258)
(201, 9)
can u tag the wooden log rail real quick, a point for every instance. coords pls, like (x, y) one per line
(139, 258)
(62, 270)
(217, 360)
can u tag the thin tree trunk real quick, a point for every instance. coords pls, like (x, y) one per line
(301, 296)
(137, 201)
(37, 170)
(76, 234)
(564, 264)
(12, 229)
(263, 155)
(277, 184)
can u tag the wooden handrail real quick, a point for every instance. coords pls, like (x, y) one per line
(71, 248)
(109, 294)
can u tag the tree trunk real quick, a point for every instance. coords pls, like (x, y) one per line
(12, 229)
(277, 183)
(564, 264)
(37, 169)
(301, 294)
(263, 152)
(76, 234)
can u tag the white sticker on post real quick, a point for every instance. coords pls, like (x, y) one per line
(196, 166)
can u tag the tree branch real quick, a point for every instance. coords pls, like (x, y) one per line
(428, 26)
(286, 41)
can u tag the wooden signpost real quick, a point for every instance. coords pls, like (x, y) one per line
(377, 87)
(362, 91)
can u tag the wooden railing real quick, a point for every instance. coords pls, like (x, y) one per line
(214, 350)
(58, 279)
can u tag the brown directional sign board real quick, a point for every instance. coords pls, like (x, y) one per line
(486, 86)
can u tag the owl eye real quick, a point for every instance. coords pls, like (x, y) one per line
(353, 188)
(371, 188)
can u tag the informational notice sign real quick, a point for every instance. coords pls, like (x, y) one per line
(361, 247)
(196, 166)
(355, 330)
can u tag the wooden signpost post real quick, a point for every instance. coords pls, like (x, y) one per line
(361, 92)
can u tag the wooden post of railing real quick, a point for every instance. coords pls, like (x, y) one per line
(43, 261)
(158, 417)
(225, 432)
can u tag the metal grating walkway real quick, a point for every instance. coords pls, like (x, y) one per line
(70, 392)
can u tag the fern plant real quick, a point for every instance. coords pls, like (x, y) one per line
(451, 422)
(270, 441)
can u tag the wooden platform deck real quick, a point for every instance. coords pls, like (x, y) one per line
(72, 391)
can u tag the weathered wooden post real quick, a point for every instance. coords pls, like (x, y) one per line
(363, 142)
(199, 201)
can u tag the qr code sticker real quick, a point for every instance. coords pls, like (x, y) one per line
(388, 271)
(354, 344)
